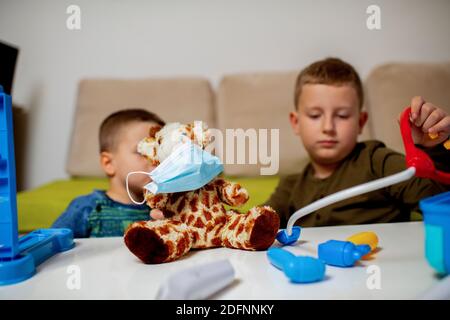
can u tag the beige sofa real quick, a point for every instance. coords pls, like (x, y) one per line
(258, 100)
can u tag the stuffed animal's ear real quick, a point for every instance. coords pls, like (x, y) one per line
(207, 137)
(202, 134)
(153, 130)
(148, 148)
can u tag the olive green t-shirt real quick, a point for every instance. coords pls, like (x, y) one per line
(368, 161)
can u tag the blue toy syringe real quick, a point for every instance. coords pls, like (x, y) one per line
(19, 257)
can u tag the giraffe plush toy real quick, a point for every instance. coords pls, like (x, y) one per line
(196, 219)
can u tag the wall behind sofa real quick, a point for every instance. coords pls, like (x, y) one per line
(199, 37)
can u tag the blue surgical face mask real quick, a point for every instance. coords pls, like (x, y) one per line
(187, 168)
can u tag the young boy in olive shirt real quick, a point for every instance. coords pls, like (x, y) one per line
(328, 118)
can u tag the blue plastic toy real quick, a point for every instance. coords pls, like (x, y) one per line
(341, 253)
(299, 269)
(19, 257)
(436, 213)
(285, 239)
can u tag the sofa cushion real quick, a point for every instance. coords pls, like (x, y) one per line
(263, 100)
(390, 87)
(180, 99)
(39, 207)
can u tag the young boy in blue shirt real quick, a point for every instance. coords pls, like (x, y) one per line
(108, 213)
(328, 118)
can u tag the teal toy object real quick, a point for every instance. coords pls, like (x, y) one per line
(436, 214)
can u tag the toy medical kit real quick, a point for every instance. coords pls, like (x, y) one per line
(19, 256)
(342, 253)
(417, 161)
(435, 136)
(299, 269)
(286, 239)
(447, 144)
(436, 216)
(199, 282)
(366, 237)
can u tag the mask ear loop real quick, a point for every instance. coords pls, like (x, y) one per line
(128, 190)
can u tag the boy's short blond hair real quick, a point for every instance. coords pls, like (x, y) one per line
(330, 71)
(112, 125)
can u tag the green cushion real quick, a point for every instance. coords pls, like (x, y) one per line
(259, 189)
(38, 208)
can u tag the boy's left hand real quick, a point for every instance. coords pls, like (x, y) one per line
(156, 214)
(427, 119)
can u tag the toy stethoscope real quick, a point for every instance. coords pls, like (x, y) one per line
(417, 161)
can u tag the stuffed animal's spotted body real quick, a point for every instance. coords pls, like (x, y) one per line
(198, 219)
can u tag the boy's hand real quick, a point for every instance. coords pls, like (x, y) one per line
(426, 120)
(156, 214)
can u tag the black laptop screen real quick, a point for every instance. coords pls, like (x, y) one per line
(8, 58)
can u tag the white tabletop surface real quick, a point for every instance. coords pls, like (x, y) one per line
(108, 270)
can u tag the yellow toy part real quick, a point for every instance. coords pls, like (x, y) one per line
(435, 136)
(367, 237)
(447, 144)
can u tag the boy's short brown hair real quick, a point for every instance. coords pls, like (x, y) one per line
(112, 125)
(330, 71)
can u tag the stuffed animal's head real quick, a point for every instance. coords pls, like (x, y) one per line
(163, 140)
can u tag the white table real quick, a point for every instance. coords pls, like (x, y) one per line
(109, 271)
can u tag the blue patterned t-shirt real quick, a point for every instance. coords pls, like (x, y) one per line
(97, 215)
